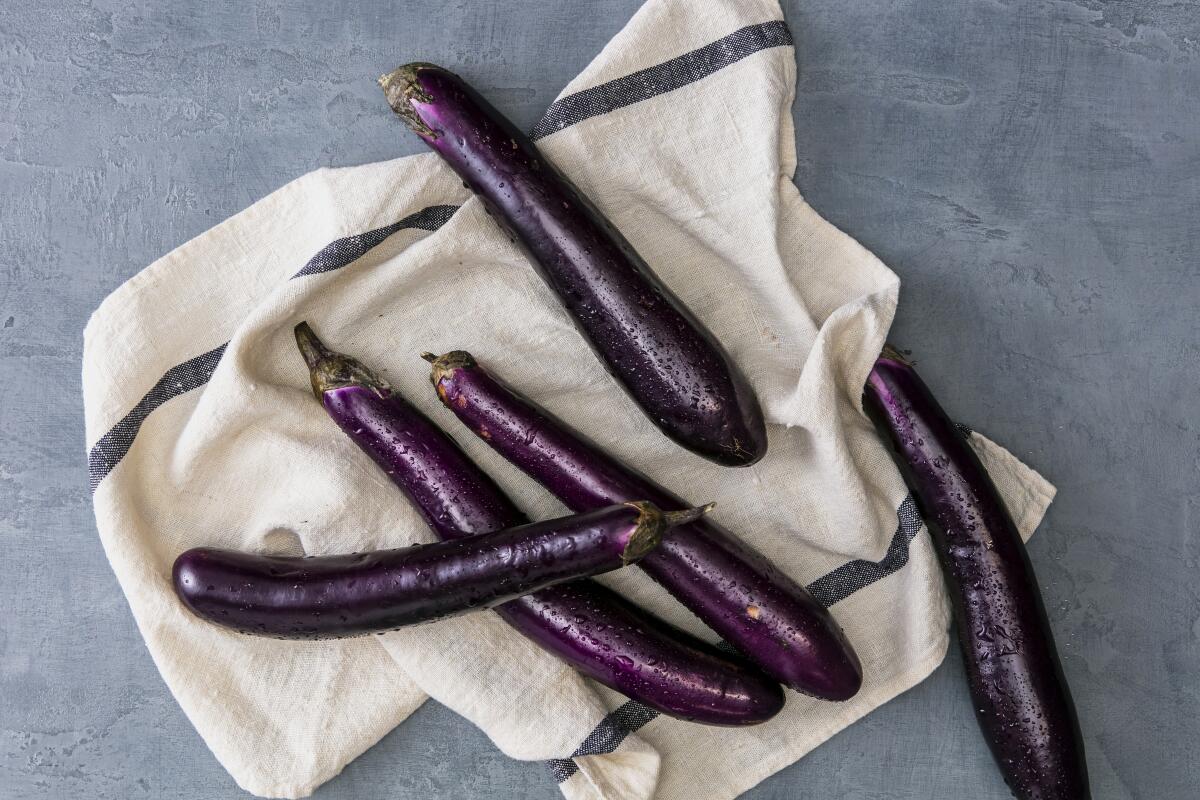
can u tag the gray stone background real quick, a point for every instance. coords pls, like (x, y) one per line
(1030, 169)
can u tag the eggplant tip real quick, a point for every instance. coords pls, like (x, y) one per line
(842, 691)
(185, 575)
(735, 453)
(839, 681)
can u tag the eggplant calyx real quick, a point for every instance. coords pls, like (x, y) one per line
(445, 364)
(328, 369)
(892, 354)
(401, 88)
(652, 524)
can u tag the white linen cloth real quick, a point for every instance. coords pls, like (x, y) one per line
(202, 429)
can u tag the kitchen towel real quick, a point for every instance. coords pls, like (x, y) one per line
(202, 429)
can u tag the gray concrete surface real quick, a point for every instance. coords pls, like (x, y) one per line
(1030, 169)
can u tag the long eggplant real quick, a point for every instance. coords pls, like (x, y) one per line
(322, 597)
(728, 585)
(587, 625)
(650, 342)
(1021, 698)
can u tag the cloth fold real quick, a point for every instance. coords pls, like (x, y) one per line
(202, 430)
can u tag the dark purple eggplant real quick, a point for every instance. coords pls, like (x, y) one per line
(323, 597)
(1021, 698)
(650, 342)
(728, 585)
(587, 625)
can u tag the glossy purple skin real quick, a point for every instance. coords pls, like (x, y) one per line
(295, 597)
(731, 587)
(650, 342)
(595, 630)
(1021, 698)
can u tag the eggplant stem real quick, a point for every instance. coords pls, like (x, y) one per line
(311, 347)
(673, 518)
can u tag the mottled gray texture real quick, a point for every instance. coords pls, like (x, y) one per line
(1030, 169)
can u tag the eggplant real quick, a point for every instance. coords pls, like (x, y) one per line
(323, 597)
(649, 341)
(589, 626)
(1021, 699)
(731, 587)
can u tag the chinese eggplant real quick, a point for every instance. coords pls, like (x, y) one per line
(651, 343)
(320, 597)
(1021, 699)
(732, 588)
(586, 624)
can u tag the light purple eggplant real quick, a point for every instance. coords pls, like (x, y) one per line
(322, 597)
(1021, 699)
(651, 343)
(727, 584)
(587, 625)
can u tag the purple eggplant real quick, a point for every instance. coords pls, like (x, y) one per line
(587, 625)
(1021, 698)
(650, 342)
(321, 597)
(729, 586)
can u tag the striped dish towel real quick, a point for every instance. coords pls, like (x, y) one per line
(202, 429)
